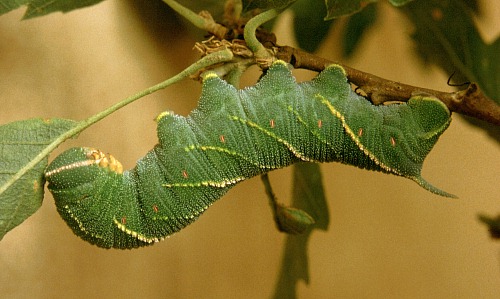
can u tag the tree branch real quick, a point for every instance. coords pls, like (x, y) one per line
(471, 101)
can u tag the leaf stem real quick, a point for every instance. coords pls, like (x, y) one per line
(203, 20)
(208, 60)
(188, 14)
(250, 30)
(234, 76)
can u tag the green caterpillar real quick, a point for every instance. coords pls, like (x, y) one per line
(233, 135)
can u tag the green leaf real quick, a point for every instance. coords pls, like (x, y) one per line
(265, 4)
(357, 26)
(493, 225)
(399, 2)
(293, 221)
(446, 35)
(37, 8)
(21, 142)
(308, 195)
(8, 5)
(308, 18)
(339, 8)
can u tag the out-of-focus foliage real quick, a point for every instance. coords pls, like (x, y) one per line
(446, 35)
(37, 8)
(266, 4)
(308, 195)
(356, 27)
(339, 8)
(309, 25)
(493, 225)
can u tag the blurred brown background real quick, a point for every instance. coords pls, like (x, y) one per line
(388, 238)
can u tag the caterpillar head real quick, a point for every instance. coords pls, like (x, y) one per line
(82, 181)
(78, 166)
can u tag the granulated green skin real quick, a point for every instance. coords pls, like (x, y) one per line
(236, 134)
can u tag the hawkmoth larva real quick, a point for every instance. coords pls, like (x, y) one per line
(233, 135)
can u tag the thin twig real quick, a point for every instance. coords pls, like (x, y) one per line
(203, 20)
(214, 58)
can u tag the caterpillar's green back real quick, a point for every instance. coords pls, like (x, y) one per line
(233, 135)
